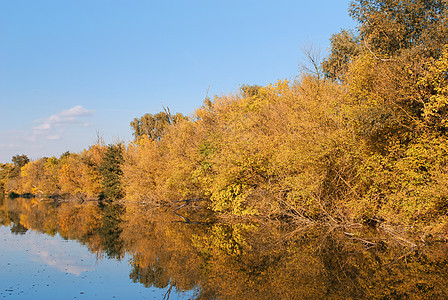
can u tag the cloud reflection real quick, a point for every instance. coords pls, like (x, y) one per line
(63, 263)
(67, 257)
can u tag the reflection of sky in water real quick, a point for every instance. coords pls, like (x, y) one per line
(65, 256)
(58, 258)
(37, 266)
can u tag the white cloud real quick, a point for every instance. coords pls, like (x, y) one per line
(48, 135)
(53, 127)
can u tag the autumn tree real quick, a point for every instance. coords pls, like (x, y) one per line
(153, 126)
(395, 101)
(40, 177)
(19, 161)
(5, 173)
(387, 27)
(345, 46)
(78, 176)
(413, 28)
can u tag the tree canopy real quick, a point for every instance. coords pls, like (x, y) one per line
(153, 126)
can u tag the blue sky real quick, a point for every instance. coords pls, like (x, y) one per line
(74, 68)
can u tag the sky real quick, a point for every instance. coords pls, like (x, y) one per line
(75, 70)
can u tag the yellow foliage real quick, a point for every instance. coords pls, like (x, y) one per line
(39, 177)
(247, 154)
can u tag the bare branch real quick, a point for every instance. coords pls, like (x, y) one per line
(314, 57)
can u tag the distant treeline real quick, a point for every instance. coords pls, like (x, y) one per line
(362, 138)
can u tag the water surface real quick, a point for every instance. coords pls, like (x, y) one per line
(54, 250)
(39, 266)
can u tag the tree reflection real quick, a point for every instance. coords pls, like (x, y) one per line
(96, 226)
(243, 260)
(110, 230)
(18, 228)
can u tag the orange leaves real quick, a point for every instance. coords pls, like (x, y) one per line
(140, 169)
(70, 174)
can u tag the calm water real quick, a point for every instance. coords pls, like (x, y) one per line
(54, 250)
(38, 266)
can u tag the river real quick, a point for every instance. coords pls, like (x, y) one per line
(52, 250)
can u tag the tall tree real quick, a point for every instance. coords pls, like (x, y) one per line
(111, 172)
(388, 29)
(388, 26)
(5, 172)
(154, 126)
(19, 161)
(344, 47)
